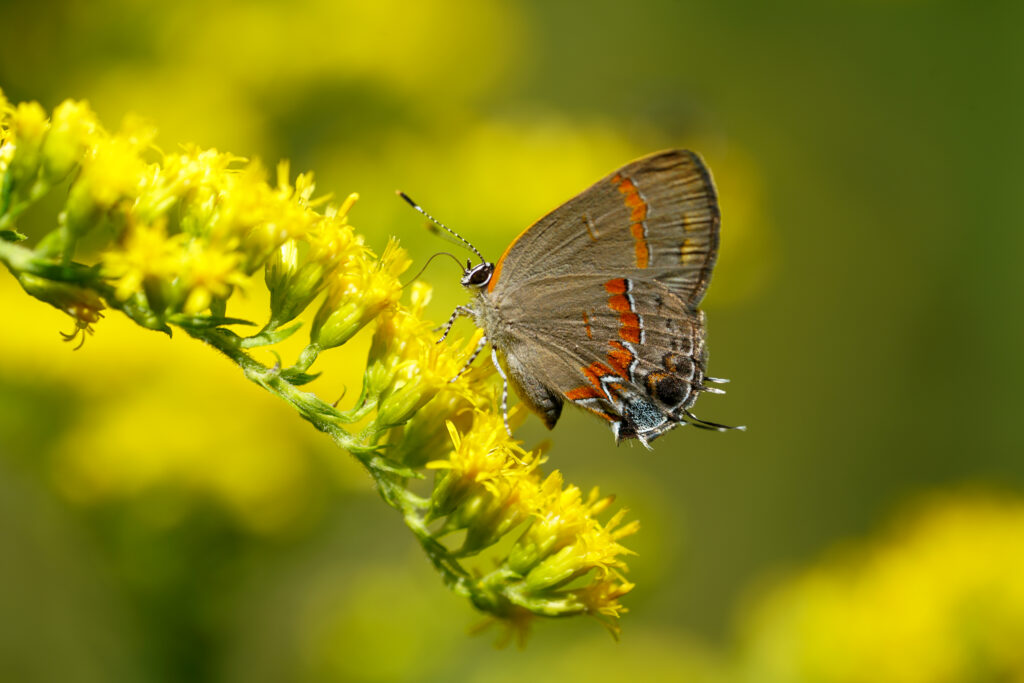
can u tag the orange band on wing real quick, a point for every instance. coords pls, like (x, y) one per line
(629, 322)
(595, 371)
(616, 286)
(620, 358)
(629, 327)
(583, 392)
(637, 215)
(619, 303)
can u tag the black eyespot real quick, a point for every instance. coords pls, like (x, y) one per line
(671, 390)
(479, 276)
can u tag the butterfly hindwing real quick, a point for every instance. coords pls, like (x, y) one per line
(630, 352)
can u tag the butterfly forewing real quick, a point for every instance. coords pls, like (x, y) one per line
(654, 219)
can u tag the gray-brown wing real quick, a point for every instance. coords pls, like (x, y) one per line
(631, 352)
(654, 219)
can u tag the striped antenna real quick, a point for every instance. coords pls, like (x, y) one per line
(440, 224)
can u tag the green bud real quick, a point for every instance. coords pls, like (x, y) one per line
(402, 403)
(82, 304)
(333, 326)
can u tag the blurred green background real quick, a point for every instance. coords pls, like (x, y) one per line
(869, 157)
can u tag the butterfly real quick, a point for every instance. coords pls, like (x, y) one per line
(596, 304)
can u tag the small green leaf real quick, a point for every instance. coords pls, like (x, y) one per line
(297, 379)
(270, 337)
(12, 236)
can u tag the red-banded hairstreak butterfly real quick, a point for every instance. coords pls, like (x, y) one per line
(596, 303)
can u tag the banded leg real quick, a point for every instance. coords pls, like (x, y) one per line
(472, 357)
(459, 311)
(504, 389)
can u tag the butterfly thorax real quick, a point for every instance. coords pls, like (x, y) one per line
(484, 309)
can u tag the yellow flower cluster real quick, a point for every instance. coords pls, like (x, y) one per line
(190, 228)
(489, 486)
(941, 598)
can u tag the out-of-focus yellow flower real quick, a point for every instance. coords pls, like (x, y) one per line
(197, 178)
(6, 151)
(144, 264)
(209, 271)
(29, 123)
(73, 128)
(28, 127)
(940, 598)
(113, 167)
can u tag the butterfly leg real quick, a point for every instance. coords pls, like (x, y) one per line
(459, 311)
(472, 357)
(504, 389)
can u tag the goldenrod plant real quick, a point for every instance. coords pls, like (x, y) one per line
(181, 233)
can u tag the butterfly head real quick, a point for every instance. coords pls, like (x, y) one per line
(477, 276)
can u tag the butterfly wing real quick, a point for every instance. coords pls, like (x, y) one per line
(631, 352)
(655, 219)
(598, 299)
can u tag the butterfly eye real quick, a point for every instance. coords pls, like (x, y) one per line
(479, 276)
